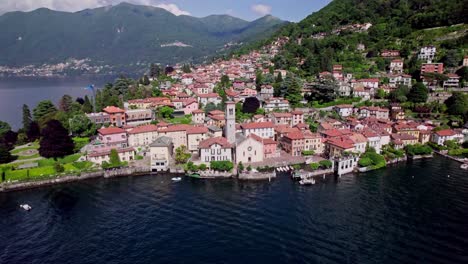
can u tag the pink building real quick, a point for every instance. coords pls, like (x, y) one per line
(110, 138)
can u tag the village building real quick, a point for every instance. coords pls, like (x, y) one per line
(208, 98)
(110, 138)
(261, 129)
(439, 137)
(293, 143)
(194, 136)
(161, 152)
(432, 68)
(99, 119)
(136, 117)
(344, 110)
(452, 82)
(396, 66)
(249, 149)
(399, 79)
(427, 53)
(198, 116)
(215, 149)
(276, 103)
(125, 154)
(116, 116)
(142, 135)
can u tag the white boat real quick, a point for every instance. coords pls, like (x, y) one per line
(26, 207)
(464, 166)
(307, 182)
(176, 179)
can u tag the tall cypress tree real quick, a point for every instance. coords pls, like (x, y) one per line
(87, 106)
(27, 119)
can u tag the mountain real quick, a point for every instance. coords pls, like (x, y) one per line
(124, 34)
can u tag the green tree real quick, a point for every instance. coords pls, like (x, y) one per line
(240, 167)
(166, 111)
(114, 158)
(380, 94)
(27, 119)
(259, 80)
(293, 94)
(87, 107)
(43, 109)
(4, 127)
(81, 125)
(457, 104)
(65, 103)
(186, 68)
(418, 93)
(55, 142)
(182, 155)
(58, 167)
(5, 155)
(33, 132)
(145, 80)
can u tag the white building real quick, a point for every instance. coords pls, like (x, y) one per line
(160, 153)
(276, 103)
(344, 110)
(215, 149)
(427, 53)
(261, 129)
(439, 137)
(249, 149)
(399, 79)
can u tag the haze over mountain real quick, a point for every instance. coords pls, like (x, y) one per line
(124, 34)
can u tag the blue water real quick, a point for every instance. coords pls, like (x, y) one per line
(14, 92)
(385, 216)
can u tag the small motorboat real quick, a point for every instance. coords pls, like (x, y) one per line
(307, 182)
(26, 207)
(176, 179)
(464, 166)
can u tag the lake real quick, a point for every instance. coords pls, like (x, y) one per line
(410, 213)
(14, 92)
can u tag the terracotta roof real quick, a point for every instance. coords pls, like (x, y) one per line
(111, 131)
(197, 130)
(143, 129)
(358, 138)
(113, 110)
(208, 95)
(207, 143)
(198, 111)
(445, 133)
(216, 112)
(257, 125)
(106, 153)
(280, 115)
(341, 142)
(175, 128)
(295, 135)
(297, 112)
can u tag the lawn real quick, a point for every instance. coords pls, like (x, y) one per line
(34, 145)
(46, 168)
(29, 157)
(180, 120)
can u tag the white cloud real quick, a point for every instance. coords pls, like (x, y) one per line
(261, 9)
(77, 5)
(174, 9)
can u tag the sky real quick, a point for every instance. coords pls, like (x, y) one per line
(291, 10)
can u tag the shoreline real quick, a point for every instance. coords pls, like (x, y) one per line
(135, 171)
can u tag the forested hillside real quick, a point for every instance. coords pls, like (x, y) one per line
(337, 35)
